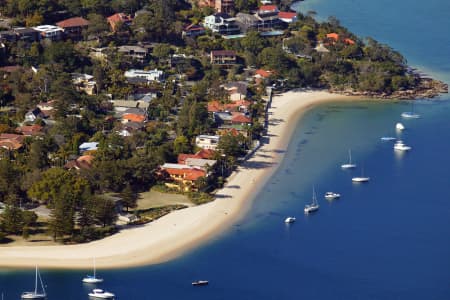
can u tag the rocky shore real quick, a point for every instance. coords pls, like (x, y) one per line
(426, 89)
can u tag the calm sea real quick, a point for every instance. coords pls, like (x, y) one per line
(387, 239)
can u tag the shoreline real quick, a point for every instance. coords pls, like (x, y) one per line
(184, 230)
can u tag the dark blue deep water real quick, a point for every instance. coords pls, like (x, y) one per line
(387, 239)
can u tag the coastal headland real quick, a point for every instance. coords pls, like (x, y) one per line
(183, 230)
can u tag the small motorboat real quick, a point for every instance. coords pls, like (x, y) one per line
(331, 195)
(399, 126)
(200, 282)
(289, 220)
(400, 146)
(99, 293)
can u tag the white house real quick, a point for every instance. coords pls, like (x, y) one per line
(207, 141)
(51, 32)
(221, 23)
(134, 75)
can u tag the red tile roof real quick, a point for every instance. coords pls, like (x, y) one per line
(30, 130)
(187, 174)
(134, 118)
(119, 17)
(287, 15)
(73, 22)
(206, 153)
(263, 73)
(333, 36)
(216, 106)
(268, 8)
(240, 119)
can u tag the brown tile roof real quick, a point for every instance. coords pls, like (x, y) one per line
(73, 22)
(30, 130)
(239, 118)
(187, 174)
(119, 17)
(206, 153)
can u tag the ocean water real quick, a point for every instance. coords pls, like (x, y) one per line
(387, 239)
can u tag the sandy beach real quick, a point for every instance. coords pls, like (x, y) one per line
(183, 230)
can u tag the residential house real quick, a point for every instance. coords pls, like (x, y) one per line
(33, 115)
(30, 130)
(89, 146)
(144, 94)
(8, 36)
(225, 6)
(221, 23)
(73, 28)
(202, 154)
(142, 76)
(21, 34)
(262, 75)
(11, 142)
(120, 18)
(129, 128)
(122, 105)
(287, 16)
(184, 176)
(130, 117)
(240, 105)
(207, 141)
(268, 16)
(50, 32)
(226, 118)
(84, 83)
(83, 162)
(193, 30)
(136, 53)
(223, 57)
(237, 90)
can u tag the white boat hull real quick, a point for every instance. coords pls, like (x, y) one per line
(309, 209)
(360, 179)
(32, 295)
(348, 166)
(410, 115)
(92, 280)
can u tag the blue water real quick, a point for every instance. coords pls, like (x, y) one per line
(387, 239)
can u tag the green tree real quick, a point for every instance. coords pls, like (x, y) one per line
(129, 197)
(105, 212)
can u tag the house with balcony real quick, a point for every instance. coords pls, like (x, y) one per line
(223, 57)
(207, 141)
(142, 76)
(221, 23)
(73, 28)
(181, 177)
(84, 83)
(136, 53)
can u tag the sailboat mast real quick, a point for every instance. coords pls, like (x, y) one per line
(35, 281)
(94, 268)
(349, 156)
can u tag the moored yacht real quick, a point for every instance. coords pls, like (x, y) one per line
(410, 115)
(400, 146)
(360, 179)
(289, 220)
(200, 282)
(314, 206)
(35, 294)
(92, 278)
(99, 293)
(332, 195)
(387, 138)
(349, 165)
(399, 126)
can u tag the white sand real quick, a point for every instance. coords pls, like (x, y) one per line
(182, 230)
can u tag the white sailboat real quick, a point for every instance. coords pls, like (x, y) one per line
(314, 206)
(401, 146)
(92, 278)
(410, 114)
(349, 165)
(35, 294)
(362, 178)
